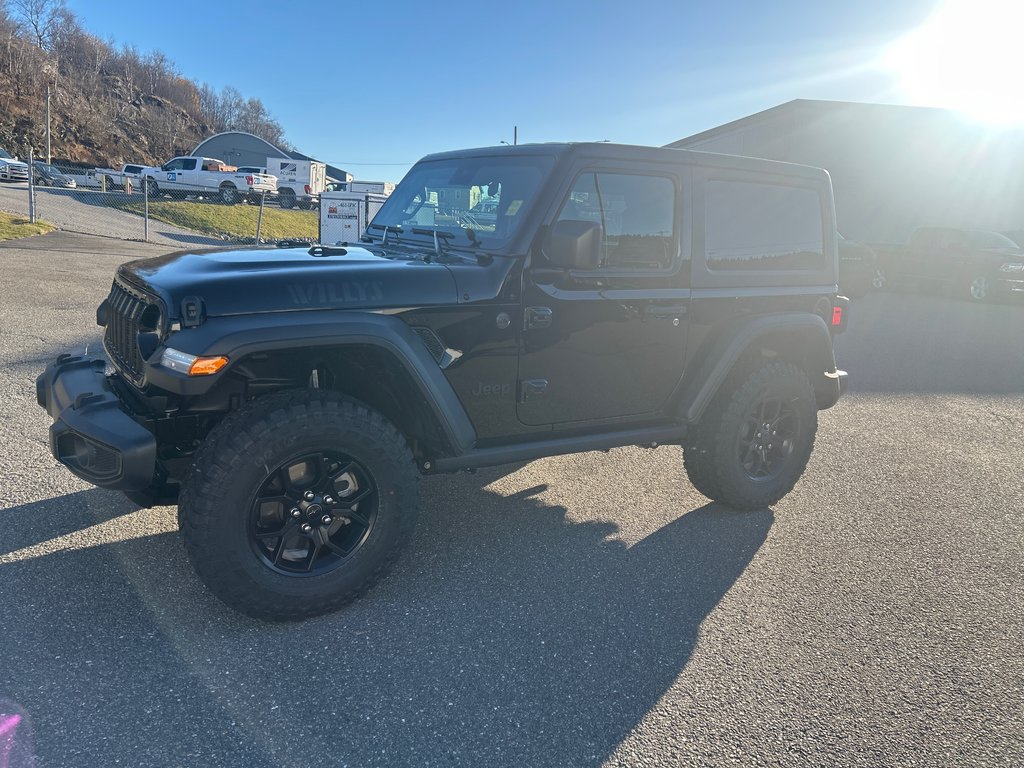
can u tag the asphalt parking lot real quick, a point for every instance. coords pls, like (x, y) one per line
(584, 610)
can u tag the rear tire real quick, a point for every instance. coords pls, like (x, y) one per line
(228, 194)
(698, 461)
(286, 200)
(979, 288)
(238, 506)
(749, 452)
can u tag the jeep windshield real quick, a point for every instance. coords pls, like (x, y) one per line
(488, 195)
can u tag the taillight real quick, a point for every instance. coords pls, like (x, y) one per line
(840, 314)
(307, 189)
(248, 180)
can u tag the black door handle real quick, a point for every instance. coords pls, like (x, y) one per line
(537, 317)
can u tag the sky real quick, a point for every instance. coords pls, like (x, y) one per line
(373, 86)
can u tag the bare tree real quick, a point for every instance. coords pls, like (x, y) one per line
(39, 16)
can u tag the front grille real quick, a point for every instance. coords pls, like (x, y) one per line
(18, 173)
(125, 312)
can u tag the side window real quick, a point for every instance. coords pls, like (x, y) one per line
(189, 164)
(174, 165)
(637, 214)
(751, 226)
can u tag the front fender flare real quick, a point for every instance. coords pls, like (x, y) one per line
(237, 337)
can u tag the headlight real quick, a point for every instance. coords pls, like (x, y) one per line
(1014, 266)
(191, 365)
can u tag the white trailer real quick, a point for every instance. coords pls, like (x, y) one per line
(372, 187)
(344, 215)
(299, 182)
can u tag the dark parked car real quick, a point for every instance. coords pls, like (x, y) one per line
(51, 176)
(974, 263)
(858, 268)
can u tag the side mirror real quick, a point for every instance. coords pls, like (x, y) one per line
(574, 244)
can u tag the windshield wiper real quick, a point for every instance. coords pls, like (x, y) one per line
(387, 228)
(438, 237)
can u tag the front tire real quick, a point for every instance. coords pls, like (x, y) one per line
(750, 451)
(298, 503)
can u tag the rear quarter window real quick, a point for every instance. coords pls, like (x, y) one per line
(752, 226)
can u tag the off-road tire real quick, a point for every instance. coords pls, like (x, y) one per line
(699, 462)
(240, 454)
(717, 463)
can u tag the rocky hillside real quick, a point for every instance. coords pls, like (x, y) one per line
(108, 105)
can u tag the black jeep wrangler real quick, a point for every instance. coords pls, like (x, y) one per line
(505, 304)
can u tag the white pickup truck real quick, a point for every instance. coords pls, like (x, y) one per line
(206, 175)
(113, 179)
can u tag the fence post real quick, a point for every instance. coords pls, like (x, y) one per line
(31, 188)
(259, 218)
(145, 207)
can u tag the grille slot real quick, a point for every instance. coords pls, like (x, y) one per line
(433, 343)
(123, 325)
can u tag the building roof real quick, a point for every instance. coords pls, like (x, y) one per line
(815, 107)
(242, 143)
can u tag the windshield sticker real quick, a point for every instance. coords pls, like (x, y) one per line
(513, 207)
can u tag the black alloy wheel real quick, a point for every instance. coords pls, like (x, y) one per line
(765, 444)
(313, 513)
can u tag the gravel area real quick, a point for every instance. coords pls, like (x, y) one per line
(576, 611)
(89, 212)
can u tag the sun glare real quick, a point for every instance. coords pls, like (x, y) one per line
(966, 57)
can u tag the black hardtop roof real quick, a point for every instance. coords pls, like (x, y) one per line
(627, 152)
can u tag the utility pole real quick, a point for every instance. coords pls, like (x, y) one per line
(49, 159)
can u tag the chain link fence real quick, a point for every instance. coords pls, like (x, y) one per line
(115, 205)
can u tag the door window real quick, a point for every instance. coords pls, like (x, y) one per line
(188, 164)
(175, 165)
(636, 213)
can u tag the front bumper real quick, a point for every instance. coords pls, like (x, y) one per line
(92, 434)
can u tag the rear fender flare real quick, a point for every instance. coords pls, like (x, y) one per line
(713, 365)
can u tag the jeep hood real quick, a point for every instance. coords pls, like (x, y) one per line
(247, 281)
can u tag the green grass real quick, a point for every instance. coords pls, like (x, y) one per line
(234, 221)
(12, 227)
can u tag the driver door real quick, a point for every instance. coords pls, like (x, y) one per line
(608, 344)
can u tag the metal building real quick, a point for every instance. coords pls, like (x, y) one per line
(239, 149)
(893, 168)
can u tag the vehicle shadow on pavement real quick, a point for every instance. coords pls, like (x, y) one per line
(36, 523)
(508, 634)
